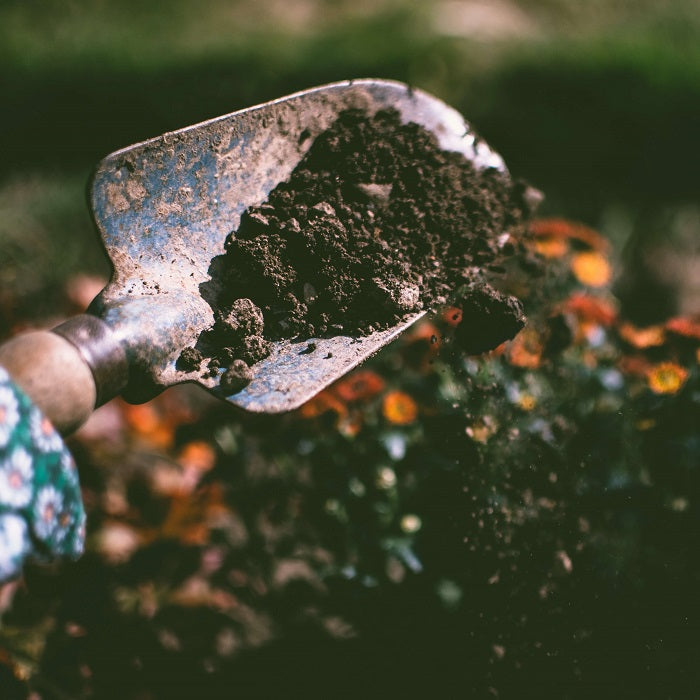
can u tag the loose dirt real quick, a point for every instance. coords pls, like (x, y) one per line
(376, 222)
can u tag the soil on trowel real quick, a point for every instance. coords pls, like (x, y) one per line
(376, 222)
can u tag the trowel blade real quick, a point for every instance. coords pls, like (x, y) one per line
(164, 208)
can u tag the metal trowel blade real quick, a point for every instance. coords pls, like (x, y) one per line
(164, 208)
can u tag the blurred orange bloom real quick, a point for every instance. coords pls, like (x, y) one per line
(399, 408)
(590, 308)
(185, 521)
(551, 247)
(591, 268)
(666, 378)
(359, 386)
(198, 455)
(684, 326)
(562, 229)
(525, 350)
(148, 423)
(322, 403)
(649, 337)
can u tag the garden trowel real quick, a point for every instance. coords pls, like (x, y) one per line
(164, 208)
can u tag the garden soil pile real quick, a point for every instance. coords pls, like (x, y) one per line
(376, 222)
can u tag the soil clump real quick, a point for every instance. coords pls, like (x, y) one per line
(376, 222)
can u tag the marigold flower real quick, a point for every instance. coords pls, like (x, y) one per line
(525, 350)
(399, 408)
(684, 326)
(359, 386)
(562, 229)
(666, 378)
(649, 337)
(590, 308)
(591, 268)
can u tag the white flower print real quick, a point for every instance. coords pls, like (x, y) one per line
(69, 470)
(9, 414)
(14, 544)
(48, 512)
(16, 479)
(44, 435)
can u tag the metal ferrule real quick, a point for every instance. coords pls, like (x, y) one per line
(101, 350)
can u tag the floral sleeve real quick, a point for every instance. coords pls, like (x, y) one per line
(41, 511)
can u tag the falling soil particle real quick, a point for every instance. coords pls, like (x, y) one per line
(376, 222)
(489, 318)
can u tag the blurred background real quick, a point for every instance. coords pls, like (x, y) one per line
(596, 103)
(522, 523)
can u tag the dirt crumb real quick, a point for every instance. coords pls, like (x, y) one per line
(236, 377)
(189, 360)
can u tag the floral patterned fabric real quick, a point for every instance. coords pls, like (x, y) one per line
(41, 511)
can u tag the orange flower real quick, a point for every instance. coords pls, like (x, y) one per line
(198, 456)
(562, 229)
(590, 308)
(359, 386)
(149, 424)
(666, 378)
(649, 337)
(551, 247)
(185, 521)
(525, 350)
(399, 408)
(452, 316)
(322, 403)
(591, 268)
(684, 326)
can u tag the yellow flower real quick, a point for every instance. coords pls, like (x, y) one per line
(399, 408)
(591, 268)
(527, 402)
(666, 378)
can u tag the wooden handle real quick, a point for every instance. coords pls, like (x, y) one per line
(53, 373)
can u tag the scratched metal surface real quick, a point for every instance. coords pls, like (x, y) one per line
(165, 206)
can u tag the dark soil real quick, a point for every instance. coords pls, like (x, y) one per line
(376, 222)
